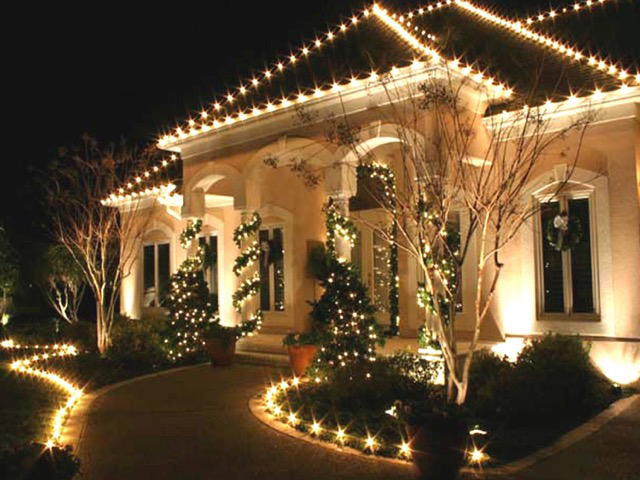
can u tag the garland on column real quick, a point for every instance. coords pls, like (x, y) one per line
(344, 309)
(442, 263)
(189, 301)
(338, 226)
(250, 286)
(383, 173)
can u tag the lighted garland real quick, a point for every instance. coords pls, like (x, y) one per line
(246, 258)
(245, 229)
(190, 232)
(276, 397)
(29, 366)
(250, 286)
(338, 225)
(383, 173)
(441, 263)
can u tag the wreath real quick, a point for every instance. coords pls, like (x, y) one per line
(564, 232)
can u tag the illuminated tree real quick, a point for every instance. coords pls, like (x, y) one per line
(62, 282)
(189, 301)
(437, 174)
(102, 239)
(344, 311)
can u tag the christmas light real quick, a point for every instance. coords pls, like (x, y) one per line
(28, 366)
(542, 39)
(553, 13)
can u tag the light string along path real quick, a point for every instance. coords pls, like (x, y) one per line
(272, 403)
(32, 366)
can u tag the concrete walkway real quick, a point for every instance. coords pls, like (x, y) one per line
(195, 424)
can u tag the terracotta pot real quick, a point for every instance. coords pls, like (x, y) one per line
(438, 451)
(300, 357)
(221, 351)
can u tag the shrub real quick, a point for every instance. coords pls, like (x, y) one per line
(82, 334)
(37, 462)
(553, 382)
(488, 380)
(138, 343)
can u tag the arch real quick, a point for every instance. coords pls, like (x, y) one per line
(212, 173)
(289, 148)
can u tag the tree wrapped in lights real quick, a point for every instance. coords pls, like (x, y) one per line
(344, 309)
(245, 236)
(441, 179)
(189, 302)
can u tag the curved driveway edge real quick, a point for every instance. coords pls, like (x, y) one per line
(570, 438)
(75, 424)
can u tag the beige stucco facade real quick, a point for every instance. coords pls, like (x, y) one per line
(225, 179)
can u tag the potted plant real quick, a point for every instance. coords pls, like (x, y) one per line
(438, 433)
(220, 343)
(302, 348)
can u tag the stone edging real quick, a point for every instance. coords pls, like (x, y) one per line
(75, 425)
(568, 439)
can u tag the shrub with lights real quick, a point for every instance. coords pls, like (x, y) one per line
(189, 302)
(344, 310)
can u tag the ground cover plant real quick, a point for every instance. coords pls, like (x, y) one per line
(524, 405)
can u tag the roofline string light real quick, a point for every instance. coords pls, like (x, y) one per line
(573, 53)
(435, 55)
(116, 198)
(139, 178)
(209, 122)
(289, 61)
(28, 366)
(556, 12)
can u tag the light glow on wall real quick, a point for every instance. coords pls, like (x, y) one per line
(618, 361)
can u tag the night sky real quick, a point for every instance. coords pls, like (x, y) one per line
(122, 71)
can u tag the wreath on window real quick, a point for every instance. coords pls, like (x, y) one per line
(272, 251)
(564, 232)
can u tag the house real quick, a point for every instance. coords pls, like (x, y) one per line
(500, 62)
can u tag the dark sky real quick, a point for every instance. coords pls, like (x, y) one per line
(129, 70)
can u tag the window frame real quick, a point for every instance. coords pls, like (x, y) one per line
(156, 270)
(540, 237)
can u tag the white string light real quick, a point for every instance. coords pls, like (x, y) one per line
(368, 444)
(570, 52)
(28, 367)
(556, 12)
(401, 24)
(115, 198)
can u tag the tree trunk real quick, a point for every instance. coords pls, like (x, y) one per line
(101, 328)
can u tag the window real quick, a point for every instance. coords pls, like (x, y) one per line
(210, 244)
(566, 278)
(271, 269)
(156, 273)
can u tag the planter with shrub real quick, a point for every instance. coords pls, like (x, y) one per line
(220, 344)
(302, 348)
